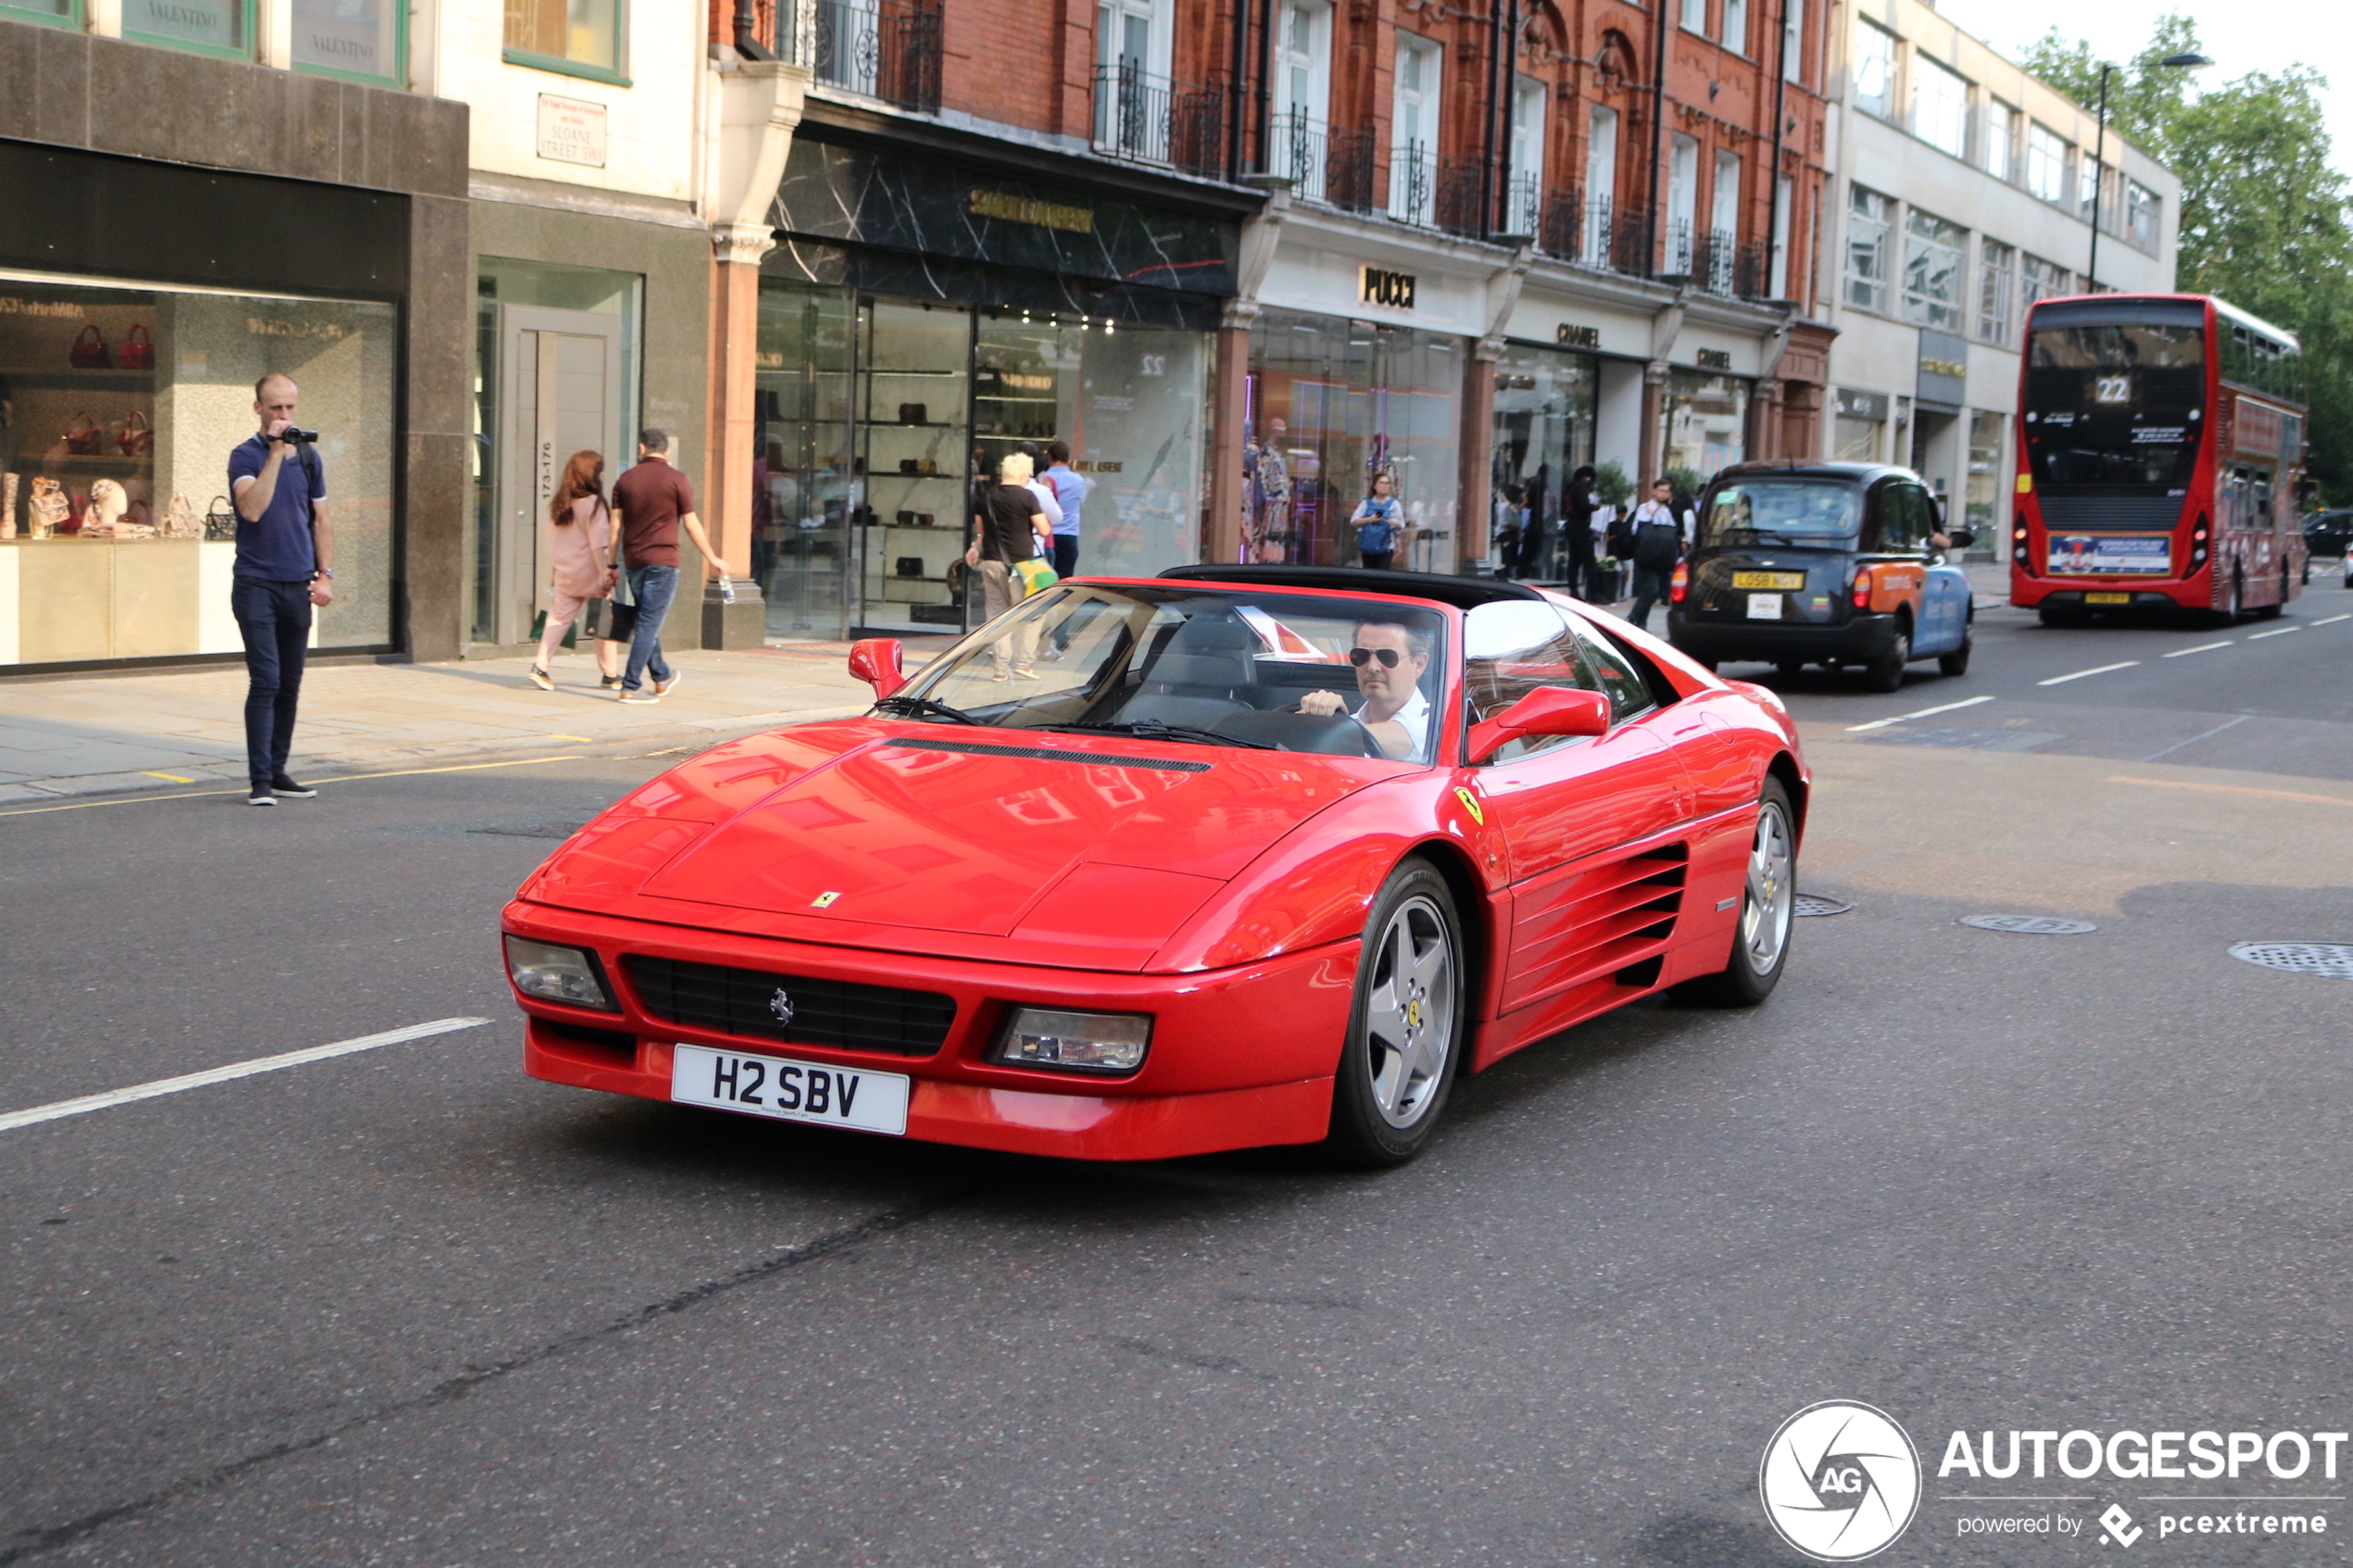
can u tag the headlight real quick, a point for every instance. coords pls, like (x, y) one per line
(1075, 1042)
(557, 975)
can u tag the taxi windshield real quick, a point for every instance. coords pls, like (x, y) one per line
(1202, 665)
(1752, 512)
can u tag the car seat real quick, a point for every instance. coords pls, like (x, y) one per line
(1207, 671)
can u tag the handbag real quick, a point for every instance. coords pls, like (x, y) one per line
(1035, 574)
(220, 520)
(614, 619)
(138, 350)
(133, 435)
(90, 351)
(539, 628)
(49, 509)
(83, 438)
(180, 521)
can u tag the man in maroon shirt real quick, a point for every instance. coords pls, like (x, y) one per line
(650, 502)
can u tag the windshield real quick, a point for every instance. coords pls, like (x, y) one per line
(2117, 407)
(1741, 511)
(1220, 667)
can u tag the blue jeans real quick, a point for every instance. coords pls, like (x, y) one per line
(1066, 555)
(275, 619)
(1650, 586)
(653, 587)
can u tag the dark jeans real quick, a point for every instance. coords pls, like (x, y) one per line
(1378, 559)
(275, 619)
(1534, 558)
(1065, 554)
(1650, 586)
(653, 587)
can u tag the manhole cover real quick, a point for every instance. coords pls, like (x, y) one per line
(2030, 925)
(1815, 904)
(2332, 958)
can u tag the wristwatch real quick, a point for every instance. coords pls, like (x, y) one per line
(326, 572)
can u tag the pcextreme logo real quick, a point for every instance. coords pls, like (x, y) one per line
(1840, 1480)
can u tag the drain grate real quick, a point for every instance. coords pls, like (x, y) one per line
(2332, 958)
(2030, 925)
(1817, 904)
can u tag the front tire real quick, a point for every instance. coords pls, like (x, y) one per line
(1957, 662)
(1768, 902)
(1885, 673)
(1409, 1026)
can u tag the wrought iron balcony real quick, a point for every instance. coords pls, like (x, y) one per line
(1433, 192)
(1614, 239)
(886, 49)
(1149, 118)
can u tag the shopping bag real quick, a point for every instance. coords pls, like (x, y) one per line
(1036, 573)
(539, 628)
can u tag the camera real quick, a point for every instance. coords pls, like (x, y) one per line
(295, 432)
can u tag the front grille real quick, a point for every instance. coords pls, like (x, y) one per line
(824, 1013)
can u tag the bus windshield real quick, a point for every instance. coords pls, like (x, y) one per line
(2117, 405)
(1751, 510)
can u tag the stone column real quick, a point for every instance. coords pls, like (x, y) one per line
(1653, 428)
(1476, 463)
(1221, 534)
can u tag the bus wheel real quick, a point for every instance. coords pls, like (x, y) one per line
(2271, 611)
(2237, 607)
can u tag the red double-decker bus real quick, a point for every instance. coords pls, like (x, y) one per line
(2161, 457)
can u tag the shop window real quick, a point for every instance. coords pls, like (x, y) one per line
(1331, 403)
(364, 40)
(123, 402)
(56, 13)
(1874, 69)
(1545, 404)
(1706, 425)
(205, 26)
(1866, 225)
(578, 37)
(1932, 252)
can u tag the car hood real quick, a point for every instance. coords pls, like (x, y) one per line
(909, 829)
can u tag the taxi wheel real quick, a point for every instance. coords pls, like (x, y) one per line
(1409, 1026)
(1885, 673)
(1768, 902)
(1957, 662)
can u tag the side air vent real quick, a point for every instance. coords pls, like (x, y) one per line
(1605, 922)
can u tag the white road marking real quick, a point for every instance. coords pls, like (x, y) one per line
(2062, 679)
(57, 1109)
(2279, 632)
(1946, 707)
(2332, 620)
(2196, 738)
(2202, 647)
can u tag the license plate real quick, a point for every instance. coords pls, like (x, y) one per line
(2107, 598)
(1764, 607)
(1788, 581)
(789, 1090)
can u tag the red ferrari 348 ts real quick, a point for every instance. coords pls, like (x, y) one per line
(1229, 856)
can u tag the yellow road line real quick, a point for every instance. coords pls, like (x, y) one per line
(347, 778)
(175, 778)
(2234, 789)
(582, 740)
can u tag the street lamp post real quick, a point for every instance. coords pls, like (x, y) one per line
(2099, 160)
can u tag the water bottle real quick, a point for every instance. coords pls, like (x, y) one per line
(726, 589)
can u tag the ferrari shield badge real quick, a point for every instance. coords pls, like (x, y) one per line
(823, 900)
(1470, 804)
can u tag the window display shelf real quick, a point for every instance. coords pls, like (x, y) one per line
(83, 380)
(101, 463)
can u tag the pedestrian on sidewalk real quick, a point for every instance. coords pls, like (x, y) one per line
(1378, 520)
(650, 502)
(285, 569)
(1658, 545)
(1579, 503)
(580, 543)
(1007, 522)
(1070, 489)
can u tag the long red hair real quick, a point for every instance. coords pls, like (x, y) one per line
(584, 475)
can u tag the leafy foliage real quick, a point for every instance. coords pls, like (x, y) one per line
(2264, 219)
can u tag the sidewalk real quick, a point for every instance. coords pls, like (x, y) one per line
(96, 734)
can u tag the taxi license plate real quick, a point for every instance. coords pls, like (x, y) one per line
(1786, 582)
(1764, 607)
(790, 1090)
(2107, 598)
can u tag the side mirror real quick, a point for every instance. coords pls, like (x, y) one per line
(875, 660)
(1547, 711)
(1962, 538)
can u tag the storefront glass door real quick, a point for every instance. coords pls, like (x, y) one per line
(914, 448)
(805, 484)
(563, 396)
(1545, 404)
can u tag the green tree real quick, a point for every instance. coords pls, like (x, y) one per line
(2264, 219)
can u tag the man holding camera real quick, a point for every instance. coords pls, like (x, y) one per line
(285, 566)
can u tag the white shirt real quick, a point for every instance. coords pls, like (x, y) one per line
(1415, 716)
(1047, 501)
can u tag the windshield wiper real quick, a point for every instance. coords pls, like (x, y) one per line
(917, 706)
(1153, 728)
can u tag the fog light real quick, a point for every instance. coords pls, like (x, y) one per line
(1075, 1042)
(557, 975)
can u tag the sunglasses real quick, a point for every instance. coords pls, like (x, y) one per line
(1362, 656)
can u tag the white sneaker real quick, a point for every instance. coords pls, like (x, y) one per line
(262, 797)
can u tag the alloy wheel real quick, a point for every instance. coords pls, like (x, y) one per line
(1771, 898)
(1409, 1017)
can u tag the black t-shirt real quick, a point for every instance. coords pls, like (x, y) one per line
(1005, 511)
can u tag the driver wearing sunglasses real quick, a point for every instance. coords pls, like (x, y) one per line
(1390, 658)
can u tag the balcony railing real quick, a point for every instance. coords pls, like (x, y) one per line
(886, 49)
(1433, 192)
(1149, 118)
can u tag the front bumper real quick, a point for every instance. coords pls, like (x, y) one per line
(1858, 639)
(1239, 1058)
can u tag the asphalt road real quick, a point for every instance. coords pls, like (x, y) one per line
(406, 1306)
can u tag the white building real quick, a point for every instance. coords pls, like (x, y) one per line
(1963, 190)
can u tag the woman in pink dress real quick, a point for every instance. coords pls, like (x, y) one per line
(580, 543)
